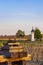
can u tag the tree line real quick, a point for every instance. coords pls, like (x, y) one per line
(37, 34)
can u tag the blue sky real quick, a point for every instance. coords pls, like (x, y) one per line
(20, 14)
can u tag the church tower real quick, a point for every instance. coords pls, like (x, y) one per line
(32, 35)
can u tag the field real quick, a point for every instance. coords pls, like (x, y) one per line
(29, 43)
(35, 49)
(25, 43)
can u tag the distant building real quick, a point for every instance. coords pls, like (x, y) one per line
(32, 35)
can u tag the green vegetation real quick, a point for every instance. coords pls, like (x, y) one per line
(29, 43)
(20, 34)
(37, 34)
(2, 42)
(25, 43)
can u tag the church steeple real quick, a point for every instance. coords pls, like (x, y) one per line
(32, 34)
(32, 30)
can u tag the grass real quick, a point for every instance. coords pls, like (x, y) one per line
(28, 43)
(24, 43)
(2, 42)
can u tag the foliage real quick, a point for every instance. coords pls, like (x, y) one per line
(20, 34)
(37, 34)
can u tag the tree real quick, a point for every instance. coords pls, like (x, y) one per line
(37, 34)
(20, 34)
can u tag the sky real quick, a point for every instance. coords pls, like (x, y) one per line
(20, 14)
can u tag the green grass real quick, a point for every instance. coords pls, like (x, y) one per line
(25, 43)
(2, 42)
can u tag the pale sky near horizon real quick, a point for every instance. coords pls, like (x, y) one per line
(20, 14)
